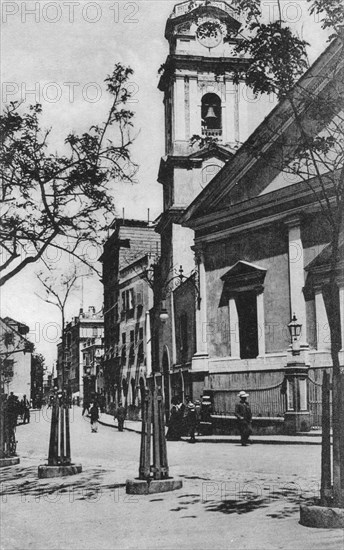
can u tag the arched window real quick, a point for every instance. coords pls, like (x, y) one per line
(211, 115)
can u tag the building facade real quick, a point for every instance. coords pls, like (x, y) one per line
(83, 327)
(93, 356)
(264, 239)
(15, 357)
(128, 259)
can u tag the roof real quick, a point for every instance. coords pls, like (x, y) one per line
(323, 259)
(9, 322)
(129, 222)
(21, 326)
(132, 239)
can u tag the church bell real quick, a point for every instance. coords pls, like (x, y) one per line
(210, 113)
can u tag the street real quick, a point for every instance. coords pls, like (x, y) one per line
(233, 497)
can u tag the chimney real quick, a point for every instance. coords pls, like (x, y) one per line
(91, 309)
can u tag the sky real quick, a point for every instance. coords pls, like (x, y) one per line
(58, 53)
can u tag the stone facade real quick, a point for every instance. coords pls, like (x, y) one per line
(93, 354)
(83, 327)
(263, 243)
(15, 356)
(128, 259)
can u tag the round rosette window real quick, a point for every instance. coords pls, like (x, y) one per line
(209, 34)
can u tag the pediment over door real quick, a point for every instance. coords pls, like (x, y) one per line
(243, 276)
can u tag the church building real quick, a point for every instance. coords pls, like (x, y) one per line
(209, 113)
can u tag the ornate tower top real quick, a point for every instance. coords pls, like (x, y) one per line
(207, 22)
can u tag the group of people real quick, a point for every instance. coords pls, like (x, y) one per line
(94, 410)
(184, 419)
(15, 408)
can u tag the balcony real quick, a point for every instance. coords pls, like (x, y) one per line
(215, 132)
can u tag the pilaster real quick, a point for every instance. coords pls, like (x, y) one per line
(234, 328)
(261, 323)
(200, 358)
(296, 274)
(323, 329)
(340, 283)
(195, 107)
(179, 108)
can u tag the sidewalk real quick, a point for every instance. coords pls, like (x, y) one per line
(306, 438)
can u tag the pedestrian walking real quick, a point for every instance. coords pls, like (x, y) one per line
(198, 414)
(94, 414)
(120, 414)
(244, 416)
(191, 420)
(175, 422)
(26, 410)
(86, 407)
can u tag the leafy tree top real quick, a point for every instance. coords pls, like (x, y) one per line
(60, 200)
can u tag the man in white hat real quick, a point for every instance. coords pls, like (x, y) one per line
(244, 416)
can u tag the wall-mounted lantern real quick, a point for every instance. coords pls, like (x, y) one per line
(295, 333)
(163, 312)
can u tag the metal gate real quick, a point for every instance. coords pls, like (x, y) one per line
(314, 396)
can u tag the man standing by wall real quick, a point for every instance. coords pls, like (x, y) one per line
(244, 416)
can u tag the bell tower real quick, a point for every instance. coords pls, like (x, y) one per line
(207, 117)
(200, 97)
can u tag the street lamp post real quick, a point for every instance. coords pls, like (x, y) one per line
(59, 455)
(297, 415)
(154, 474)
(180, 278)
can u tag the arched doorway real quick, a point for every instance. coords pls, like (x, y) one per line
(166, 375)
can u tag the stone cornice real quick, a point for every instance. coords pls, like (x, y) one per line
(192, 160)
(282, 205)
(197, 63)
(172, 215)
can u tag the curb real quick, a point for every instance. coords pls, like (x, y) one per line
(215, 439)
(255, 441)
(115, 426)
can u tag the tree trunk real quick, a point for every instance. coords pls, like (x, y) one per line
(333, 314)
(326, 492)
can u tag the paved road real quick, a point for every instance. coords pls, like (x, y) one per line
(233, 497)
